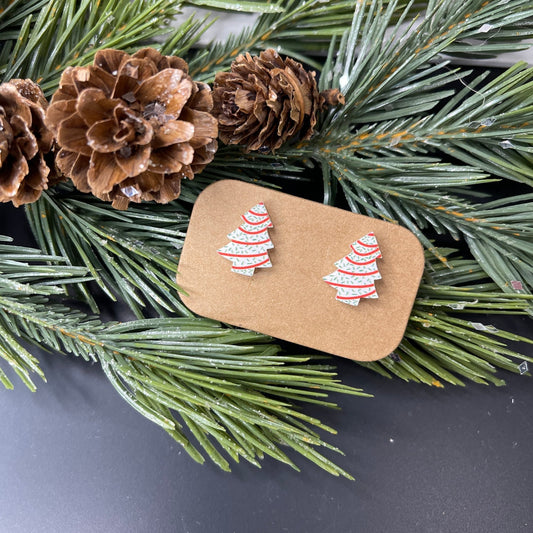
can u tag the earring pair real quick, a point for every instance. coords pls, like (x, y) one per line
(353, 279)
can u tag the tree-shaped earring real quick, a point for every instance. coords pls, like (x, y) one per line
(356, 272)
(250, 242)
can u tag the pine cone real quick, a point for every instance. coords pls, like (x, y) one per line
(265, 100)
(24, 140)
(131, 128)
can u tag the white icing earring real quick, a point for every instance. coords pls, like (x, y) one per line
(356, 272)
(250, 242)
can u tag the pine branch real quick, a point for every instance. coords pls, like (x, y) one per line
(27, 273)
(249, 6)
(299, 29)
(372, 62)
(386, 149)
(500, 237)
(12, 19)
(230, 163)
(417, 192)
(47, 43)
(153, 375)
(225, 384)
(439, 346)
(232, 393)
(132, 256)
(489, 39)
(391, 166)
(219, 56)
(180, 40)
(492, 127)
(13, 14)
(486, 126)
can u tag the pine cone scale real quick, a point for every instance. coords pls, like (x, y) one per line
(87, 78)
(73, 164)
(292, 87)
(149, 181)
(66, 160)
(202, 156)
(110, 59)
(202, 100)
(93, 106)
(133, 160)
(171, 159)
(131, 128)
(61, 110)
(104, 173)
(37, 171)
(205, 125)
(126, 86)
(72, 137)
(244, 100)
(26, 140)
(170, 189)
(174, 131)
(169, 88)
(102, 137)
(4, 151)
(66, 85)
(11, 176)
(134, 70)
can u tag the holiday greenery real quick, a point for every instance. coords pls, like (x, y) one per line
(411, 140)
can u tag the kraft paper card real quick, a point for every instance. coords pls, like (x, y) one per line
(314, 260)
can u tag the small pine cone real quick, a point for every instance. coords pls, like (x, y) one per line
(130, 128)
(24, 141)
(265, 100)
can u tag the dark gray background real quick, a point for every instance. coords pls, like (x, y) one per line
(74, 458)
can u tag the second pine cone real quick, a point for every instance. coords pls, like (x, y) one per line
(265, 100)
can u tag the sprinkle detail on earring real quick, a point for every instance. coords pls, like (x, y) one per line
(356, 272)
(250, 242)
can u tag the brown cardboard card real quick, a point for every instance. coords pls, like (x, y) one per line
(290, 300)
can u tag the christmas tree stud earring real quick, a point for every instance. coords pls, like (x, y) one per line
(250, 242)
(356, 272)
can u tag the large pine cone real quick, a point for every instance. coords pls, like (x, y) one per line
(131, 128)
(24, 140)
(265, 100)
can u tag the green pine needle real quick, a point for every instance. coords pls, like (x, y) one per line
(439, 346)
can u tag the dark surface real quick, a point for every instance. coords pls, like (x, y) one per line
(75, 458)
